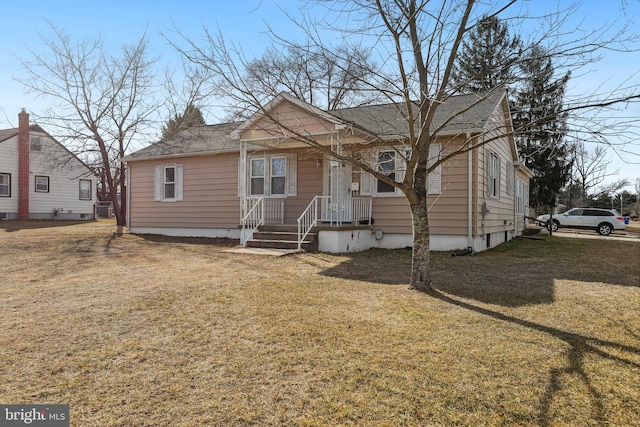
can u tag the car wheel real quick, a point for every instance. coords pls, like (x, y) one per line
(605, 229)
(553, 226)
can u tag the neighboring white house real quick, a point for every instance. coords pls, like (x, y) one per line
(40, 178)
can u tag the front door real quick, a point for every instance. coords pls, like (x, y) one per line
(337, 185)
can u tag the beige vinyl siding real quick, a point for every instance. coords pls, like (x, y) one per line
(291, 116)
(501, 210)
(448, 211)
(309, 185)
(210, 194)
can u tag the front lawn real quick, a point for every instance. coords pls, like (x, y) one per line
(153, 331)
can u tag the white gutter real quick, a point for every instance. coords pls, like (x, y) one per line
(470, 197)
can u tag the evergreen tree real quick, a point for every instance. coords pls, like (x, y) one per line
(192, 116)
(540, 127)
(486, 59)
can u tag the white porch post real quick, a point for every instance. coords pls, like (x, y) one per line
(242, 177)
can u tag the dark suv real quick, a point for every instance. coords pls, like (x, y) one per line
(604, 221)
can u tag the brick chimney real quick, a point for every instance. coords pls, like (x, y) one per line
(23, 165)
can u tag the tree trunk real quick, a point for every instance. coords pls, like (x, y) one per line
(420, 266)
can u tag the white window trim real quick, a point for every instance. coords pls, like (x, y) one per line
(434, 179)
(42, 178)
(251, 177)
(369, 184)
(395, 171)
(271, 176)
(510, 179)
(493, 174)
(90, 189)
(290, 177)
(7, 185)
(159, 190)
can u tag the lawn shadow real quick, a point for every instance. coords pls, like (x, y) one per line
(580, 348)
(384, 266)
(13, 225)
(513, 274)
(217, 241)
(510, 285)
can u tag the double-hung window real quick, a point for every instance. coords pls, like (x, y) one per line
(393, 164)
(256, 177)
(169, 183)
(387, 166)
(270, 175)
(42, 184)
(5, 185)
(278, 176)
(85, 189)
(510, 178)
(493, 174)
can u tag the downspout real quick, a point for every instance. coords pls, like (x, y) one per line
(515, 201)
(470, 197)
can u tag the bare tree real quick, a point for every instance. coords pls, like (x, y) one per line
(326, 79)
(589, 169)
(419, 42)
(99, 103)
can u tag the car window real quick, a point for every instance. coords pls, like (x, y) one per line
(575, 212)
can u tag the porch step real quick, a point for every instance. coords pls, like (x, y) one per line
(282, 237)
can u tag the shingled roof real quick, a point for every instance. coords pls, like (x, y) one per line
(6, 134)
(463, 113)
(208, 139)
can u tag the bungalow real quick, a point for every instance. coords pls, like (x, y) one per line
(40, 178)
(237, 180)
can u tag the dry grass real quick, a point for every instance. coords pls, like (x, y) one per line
(150, 331)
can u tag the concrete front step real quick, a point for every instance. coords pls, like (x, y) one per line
(280, 235)
(307, 245)
(285, 228)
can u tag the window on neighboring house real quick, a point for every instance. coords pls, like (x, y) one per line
(493, 175)
(278, 175)
(256, 177)
(36, 145)
(5, 185)
(168, 183)
(85, 189)
(42, 184)
(386, 165)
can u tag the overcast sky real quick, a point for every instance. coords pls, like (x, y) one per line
(244, 23)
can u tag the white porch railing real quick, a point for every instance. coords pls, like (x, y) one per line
(310, 216)
(321, 209)
(260, 211)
